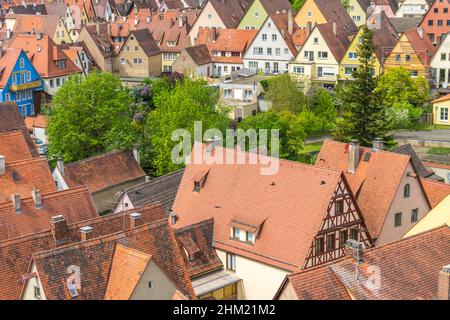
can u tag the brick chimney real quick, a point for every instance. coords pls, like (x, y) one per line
(378, 144)
(17, 202)
(353, 156)
(444, 283)
(2, 165)
(290, 22)
(135, 220)
(59, 228)
(334, 28)
(213, 34)
(136, 154)
(86, 233)
(37, 198)
(211, 143)
(354, 249)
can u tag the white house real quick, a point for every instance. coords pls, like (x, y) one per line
(440, 66)
(413, 8)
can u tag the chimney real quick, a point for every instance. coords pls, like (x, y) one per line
(17, 202)
(135, 220)
(180, 21)
(37, 198)
(420, 32)
(211, 143)
(113, 17)
(444, 283)
(8, 34)
(213, 34)
(149, 19)
(60, 165)
(136, 21)
(86, 233)
(1, 51)
(147, 178)
(2, 165)
(353, 156)
(354, 249)
(97, 28)
(124, 18)
(39, 35)
(173, 217)
(334, 28)
(59, 228)
(136, 154)
(378, 144)
(108, 28)
(290, 22)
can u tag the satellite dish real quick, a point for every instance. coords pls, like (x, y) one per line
(445, 85)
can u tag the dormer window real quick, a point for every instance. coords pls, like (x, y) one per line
(245, 229)
(200, 179)
(196, 186)
(61, 64)
(171, 43)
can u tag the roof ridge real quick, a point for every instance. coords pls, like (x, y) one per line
(193, 225)
(95, 157)
(155, 180)
(26, 161)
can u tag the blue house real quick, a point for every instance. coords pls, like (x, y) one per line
(19, 80)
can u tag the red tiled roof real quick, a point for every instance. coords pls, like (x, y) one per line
(11, 118)
(408, 270)
(95, 257)
(15, 254)
(75, 204)
(7, 62)
(374, 183)
(443, 98)
(14, 146)
(24, 176)
(430, 164)
(103, 171)
(436, 191)
(39, 121)
(422, 45)
(231, 189)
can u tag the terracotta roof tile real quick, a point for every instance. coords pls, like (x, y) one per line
(11, 119)
(103, 171)
(375, 181)
(422, 45)
(338, 43)
(435, 191)
(75, 204)
(334, 11)
(40, 121)
(254, 195)
(408, 271)
(14, 146)
(443, 98)
(230, 11)
(7, 62)
(15, 254)
(24, 176)
(407, 149)
(200, 54)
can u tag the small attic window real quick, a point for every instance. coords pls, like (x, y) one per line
(72, 290)
(367, 157)
(15, 176)
(199, 180)
(196, 186)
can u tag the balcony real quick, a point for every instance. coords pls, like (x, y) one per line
(25, 86)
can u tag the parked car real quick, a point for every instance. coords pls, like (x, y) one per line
(40, 146)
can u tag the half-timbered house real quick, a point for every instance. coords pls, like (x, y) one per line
(294, 218)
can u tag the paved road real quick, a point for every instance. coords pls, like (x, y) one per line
(441, 135)
(317, 139)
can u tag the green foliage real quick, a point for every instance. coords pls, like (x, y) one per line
(323, 105)
(297, 4)
(177, 108)
(285, 93)
(363, 116)
(291, 132)
(91, 115)
(402, 115)
(439, 150)
(397, 86)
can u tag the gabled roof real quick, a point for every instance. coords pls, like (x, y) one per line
(408, 270)
(26, 23)
(16, 253)
(146, 41)
(292, 203)
(24, 176)
(375, 181)
(44, 54)
(402, 24)
(199, 54)
(56, 8)
(407, 149)
(272, 6)
(95, 258)
(334, 11)
(76, 205)
(162, 189)
(103, 171)
(365, 4)
(14, 146)
(391, 3)
(436, 191)
(7, 62)
(102, 39)
(38, 121)
(11, 118)
(421, 44)
(443, 98)
(230, 11)
(337, 43)
(281, 22)
(385, 36)
(196, 240)
(29, 9)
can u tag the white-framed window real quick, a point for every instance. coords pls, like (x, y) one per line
(253, 64)
(227, 93)
(444, 114)
(29, 76)
(22, 62)
(353, 55)
(258, 50)
(18, 96)
(14, 79)
(277, 51)
(322, 55)
(122, 61)
(248, 94)
(51, 83)
(231, 262)
(274, 37)
(264, 37)
(414, 73)
(236, 233)
(37, 292)
(316, 40)
(269, 51)
(349, 70)
(356, 18)
(309, 13)
(298, 69)
(7, 97)
(250, 237)
(286, 51)
(58, 82)
(209, 16)
(256, 14)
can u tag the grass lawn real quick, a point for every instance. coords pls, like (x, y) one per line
(439, 150)
(311, 147)
(433, 127)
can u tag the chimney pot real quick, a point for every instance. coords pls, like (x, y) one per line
(147, 178)
(173, 217)
(353, 156)
(59, 228)
(86, 233)
(378, 144)
(444, 283)
(334, 27)
(211, 143)
(135, 219)
(354, 248)
(2, 165)
(60, 164)
(37, 198)
(17, 202)
(136, 154)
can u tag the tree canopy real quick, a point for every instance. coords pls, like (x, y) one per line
(285, 93)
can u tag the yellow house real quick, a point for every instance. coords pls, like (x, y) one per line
(315, 12)
(413, 52)
(357, 10)
(384, 41)
(441, 110)
(437, 217)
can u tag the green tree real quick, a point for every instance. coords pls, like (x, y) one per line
(324, 108)
(89, 116)
(297, 4)
(291, 132)
(363, 115)
(178, 108)
(285, 93)
(397, 86)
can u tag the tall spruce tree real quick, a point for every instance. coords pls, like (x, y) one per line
(363, 115)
